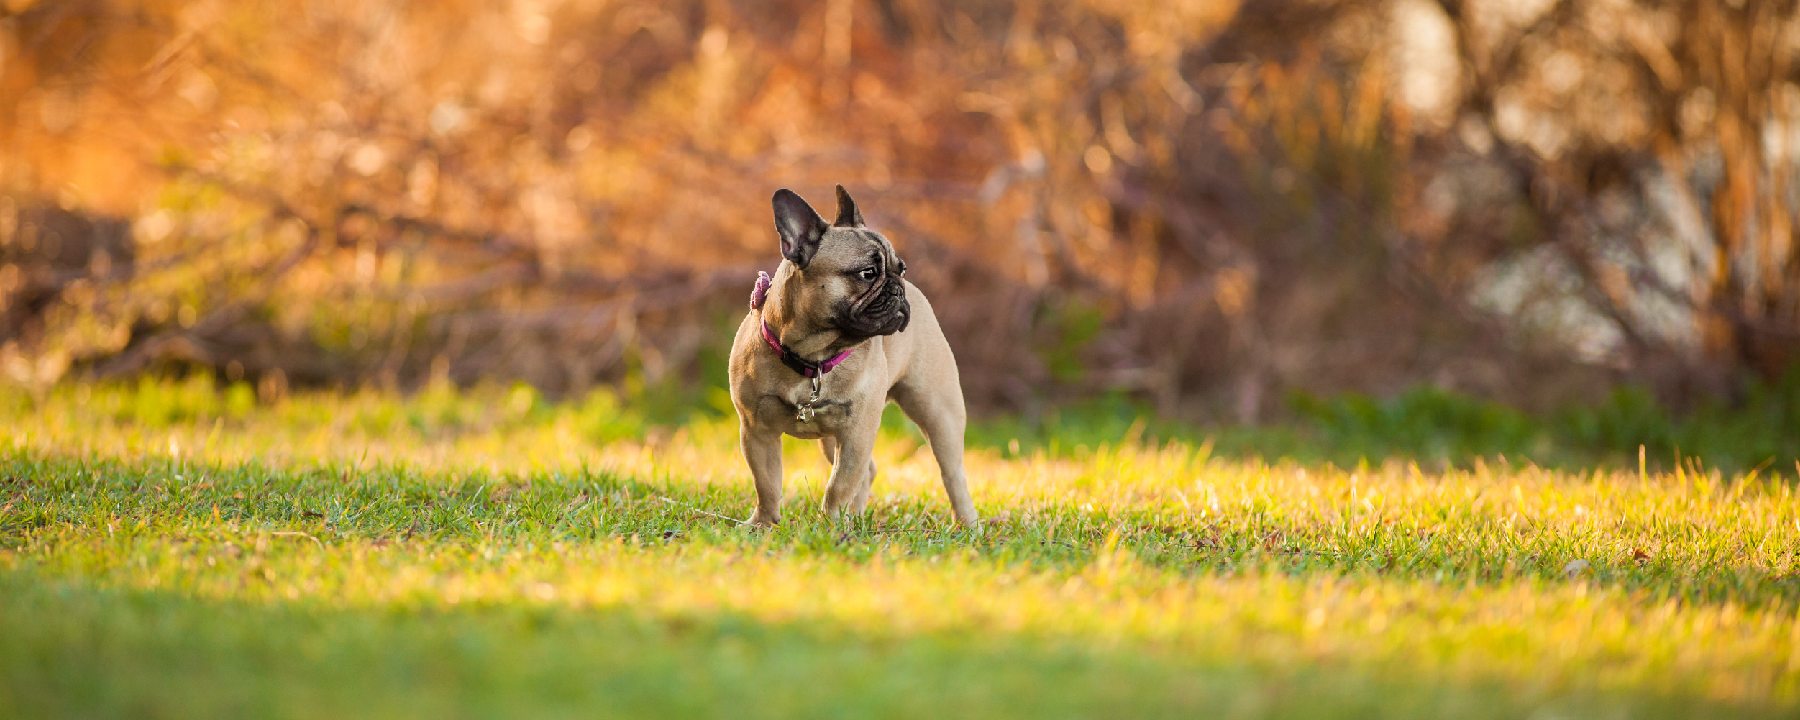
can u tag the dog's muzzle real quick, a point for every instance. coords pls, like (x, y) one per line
(881, 311)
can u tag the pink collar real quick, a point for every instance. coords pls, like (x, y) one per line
(799, 364)
(788, 357)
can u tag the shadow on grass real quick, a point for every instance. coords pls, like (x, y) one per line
(76, 650)
(335, 502)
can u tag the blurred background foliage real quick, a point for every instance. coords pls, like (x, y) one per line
(1218, 210)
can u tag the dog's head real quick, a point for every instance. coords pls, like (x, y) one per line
(845, 276)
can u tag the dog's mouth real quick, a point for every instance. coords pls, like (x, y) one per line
(882, 310)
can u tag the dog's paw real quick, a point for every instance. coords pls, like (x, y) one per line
(969, 522)
(761, 521)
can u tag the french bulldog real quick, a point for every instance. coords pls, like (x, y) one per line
(829, 339)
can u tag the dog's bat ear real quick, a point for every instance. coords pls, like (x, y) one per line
(799, 225)
(848, 215)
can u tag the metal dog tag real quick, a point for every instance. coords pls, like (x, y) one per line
(806, 410)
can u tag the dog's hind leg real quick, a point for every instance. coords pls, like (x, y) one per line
(868, 486)
(942, 417)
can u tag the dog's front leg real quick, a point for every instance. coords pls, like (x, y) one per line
(851, 472)
(762, 451)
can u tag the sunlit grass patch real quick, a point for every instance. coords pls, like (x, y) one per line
(499, 553)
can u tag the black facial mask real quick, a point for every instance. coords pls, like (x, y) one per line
(882, 310)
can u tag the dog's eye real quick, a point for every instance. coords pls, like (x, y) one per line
(867, 274)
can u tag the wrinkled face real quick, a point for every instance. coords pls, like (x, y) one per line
(860, 273)
(849, 276)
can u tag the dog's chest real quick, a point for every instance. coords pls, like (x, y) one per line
(798, 413)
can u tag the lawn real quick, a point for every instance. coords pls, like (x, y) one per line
(175, 550)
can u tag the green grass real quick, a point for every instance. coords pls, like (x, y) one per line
(1442, 429)
(168, 550)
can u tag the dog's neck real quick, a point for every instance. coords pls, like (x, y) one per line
(805, 336)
